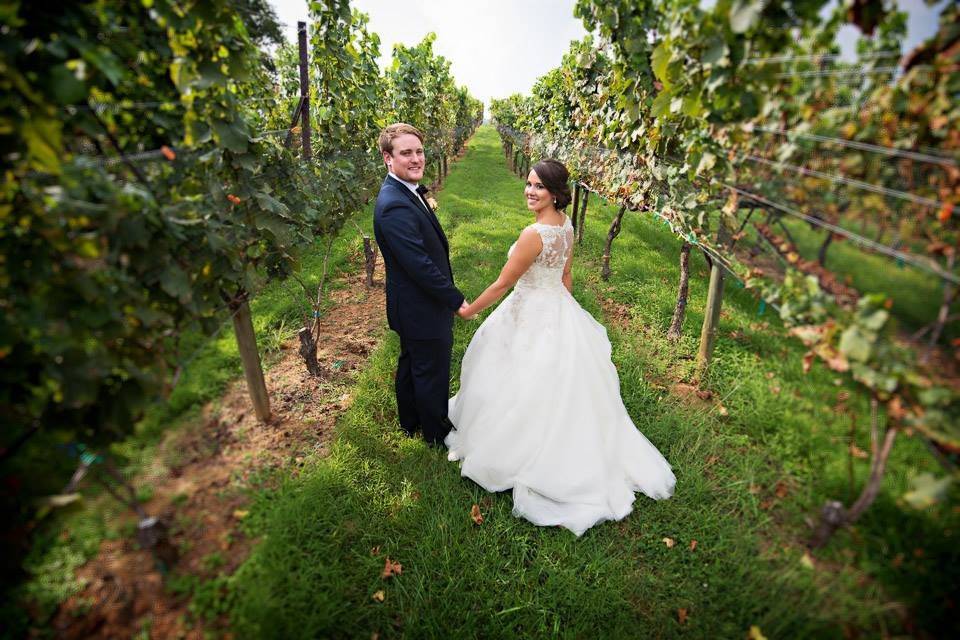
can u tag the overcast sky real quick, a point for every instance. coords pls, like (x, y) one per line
(500, 47)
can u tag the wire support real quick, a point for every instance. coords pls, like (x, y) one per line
(828, 73)
(821, 57)
(916, 261)
(860, 146)
(837, 179)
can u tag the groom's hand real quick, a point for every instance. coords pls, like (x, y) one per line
(462, 311)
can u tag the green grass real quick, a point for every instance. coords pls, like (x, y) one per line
(325, 532)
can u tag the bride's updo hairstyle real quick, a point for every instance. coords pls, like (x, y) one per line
(556, 179)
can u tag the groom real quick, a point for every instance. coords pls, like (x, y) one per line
(421, 296)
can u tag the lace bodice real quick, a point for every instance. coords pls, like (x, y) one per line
(547, 270)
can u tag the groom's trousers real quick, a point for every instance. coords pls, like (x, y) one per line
(423, 386)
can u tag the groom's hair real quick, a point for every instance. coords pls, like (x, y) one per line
(388, 135)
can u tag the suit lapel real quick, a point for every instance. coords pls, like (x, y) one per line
(416, 200)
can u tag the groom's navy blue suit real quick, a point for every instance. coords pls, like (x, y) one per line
(421, 303)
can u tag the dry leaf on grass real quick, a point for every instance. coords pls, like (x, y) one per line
(693, 545)
(682, 616)
(379, 596)
(391, 568)
(857, 452)
(240, 514)
(756, 634)
(806, 561)
(669, 542)
(475, 515)
(781, 489)
(375, 551)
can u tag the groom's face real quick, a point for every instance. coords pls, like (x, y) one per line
(407, 160)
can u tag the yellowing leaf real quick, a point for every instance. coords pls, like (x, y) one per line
(240, 514)
(378, 596)
(806, 561)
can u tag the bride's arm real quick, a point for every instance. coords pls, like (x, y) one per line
(524, 253)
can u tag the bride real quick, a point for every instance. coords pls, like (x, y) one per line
(539, 408)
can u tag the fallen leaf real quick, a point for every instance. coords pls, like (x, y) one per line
(781, 489)
(682, 616)
(722, 410)
(379, 596)
(806, 561)
(766, 504)
(775, 390)
(756, 634)
(808, 361)
(391, 568)
(168, 153)
(693, 545)
(769, 375)
(375, 551)
(475, 515)
(857, 452)
(669, 542)
(754, 489)
(240, 514)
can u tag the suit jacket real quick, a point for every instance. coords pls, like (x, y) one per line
(421, 296)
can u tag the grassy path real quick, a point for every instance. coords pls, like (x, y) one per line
(751, 460)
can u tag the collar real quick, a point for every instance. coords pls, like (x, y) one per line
(408, 185)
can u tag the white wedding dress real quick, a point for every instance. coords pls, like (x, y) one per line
(539, 408)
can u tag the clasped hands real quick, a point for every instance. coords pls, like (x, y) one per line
(462, 311)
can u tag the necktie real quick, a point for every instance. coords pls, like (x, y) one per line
(422, 192)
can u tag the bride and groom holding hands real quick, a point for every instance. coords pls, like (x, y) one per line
(539, 408)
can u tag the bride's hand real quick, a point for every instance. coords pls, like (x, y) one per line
(462, 311)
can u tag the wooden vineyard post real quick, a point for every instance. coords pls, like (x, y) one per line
(250, 357)
(582, 217)
(611, 235)
(369, 258)
(576, 203)
(304, 92)
(711, 317)
(679, 312)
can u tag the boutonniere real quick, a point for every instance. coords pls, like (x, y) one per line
(433, 203)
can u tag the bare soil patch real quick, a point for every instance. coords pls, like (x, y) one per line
(201, 473)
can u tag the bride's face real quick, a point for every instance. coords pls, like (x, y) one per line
(538, 198)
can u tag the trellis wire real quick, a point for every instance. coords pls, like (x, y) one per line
(861, 146)
(866, 242)
(859, 184)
